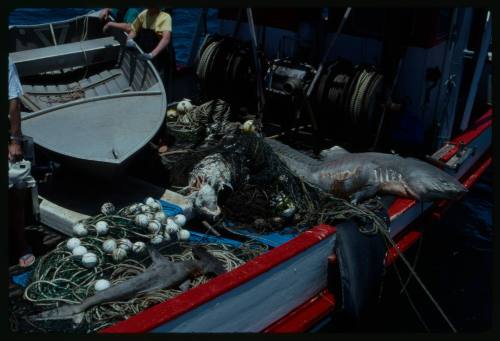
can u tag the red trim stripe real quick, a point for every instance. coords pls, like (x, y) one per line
(400, 205)
(411, 237)
(469, 180)
(403, 244)
(306, 316)
(161, 313)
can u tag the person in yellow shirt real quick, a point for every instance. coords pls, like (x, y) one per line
(152, 31)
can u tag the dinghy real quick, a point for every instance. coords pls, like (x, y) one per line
(87, 100)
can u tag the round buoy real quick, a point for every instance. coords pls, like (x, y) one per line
(80, 230)
(119, 254)
(160, 216)
(79, 251)
(141, 220)
(109, 245)
(183, 234)
(72, 243)
(101, 284)
(138, 247)
(171, 226)
(154, 226)
(107, 208)
(184, 106)
(156, 239)
(89, 260)
(125, 244)
(180, 220)
(101, 227)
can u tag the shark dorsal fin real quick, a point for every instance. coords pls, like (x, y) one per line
(332, 153)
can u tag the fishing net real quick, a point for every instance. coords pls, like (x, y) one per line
(265, 188)
(60, 279)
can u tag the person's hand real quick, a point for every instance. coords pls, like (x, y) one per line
(130, 43)
(146, 56)
(106, 27)
(104, 13)
(15, 151)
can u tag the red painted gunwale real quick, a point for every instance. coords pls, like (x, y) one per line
(306, 316)
(400, 205)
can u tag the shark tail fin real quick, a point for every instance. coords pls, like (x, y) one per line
(210, 264)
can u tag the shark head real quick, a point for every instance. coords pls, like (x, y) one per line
(205, 202)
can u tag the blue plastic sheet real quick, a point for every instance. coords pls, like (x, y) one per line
(205, 238)
(272, 239)
(169, 208)
(22, 279)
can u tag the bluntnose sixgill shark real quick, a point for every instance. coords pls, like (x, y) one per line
(362, 175)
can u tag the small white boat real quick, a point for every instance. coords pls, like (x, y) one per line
(86, 99)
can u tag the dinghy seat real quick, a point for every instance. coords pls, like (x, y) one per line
(45, 59)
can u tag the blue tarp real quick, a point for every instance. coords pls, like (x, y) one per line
(272, 239)
(169, 208)
(22, 279)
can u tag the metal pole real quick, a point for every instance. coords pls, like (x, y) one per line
(327, 53)
(481, 59)
(446, 119)
(260, 92)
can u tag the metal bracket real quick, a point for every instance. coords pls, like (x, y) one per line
(464, 152)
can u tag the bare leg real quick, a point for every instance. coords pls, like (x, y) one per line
(17, 221)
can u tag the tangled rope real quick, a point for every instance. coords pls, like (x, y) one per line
(206, 121)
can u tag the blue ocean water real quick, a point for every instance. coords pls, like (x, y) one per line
(456, 257)
(185, 21)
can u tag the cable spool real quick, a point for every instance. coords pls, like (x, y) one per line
(346, 100)
(225, 70)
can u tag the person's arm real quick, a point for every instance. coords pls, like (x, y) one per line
(119, 25)
(104, 13)
(131, 34)
(165, 40)
(15, 91)
(15, 145)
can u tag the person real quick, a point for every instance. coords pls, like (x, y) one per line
(16, 195)
(123, 16)
(152, 31)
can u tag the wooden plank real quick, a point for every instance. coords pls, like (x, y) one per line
(58, 217)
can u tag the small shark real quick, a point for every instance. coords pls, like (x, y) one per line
(161, 274)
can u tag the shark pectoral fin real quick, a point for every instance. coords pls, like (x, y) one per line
(78, 318)
(363, 193)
